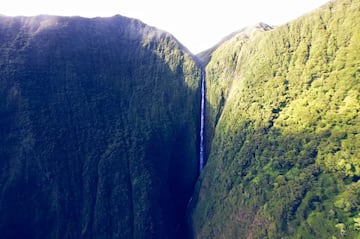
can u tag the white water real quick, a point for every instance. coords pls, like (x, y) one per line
(202, 121)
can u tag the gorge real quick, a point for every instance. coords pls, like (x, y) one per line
(106, 125)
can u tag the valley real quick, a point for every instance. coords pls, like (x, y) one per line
(108, 127)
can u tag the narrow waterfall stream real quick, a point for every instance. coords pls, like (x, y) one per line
(202, 127)
(202, 122)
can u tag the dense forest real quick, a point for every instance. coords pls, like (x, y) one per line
(100, 118)
(98, 125)
(283, 130)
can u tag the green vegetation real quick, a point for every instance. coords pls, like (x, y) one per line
(97, 125)
(283, 107)
(223, 67)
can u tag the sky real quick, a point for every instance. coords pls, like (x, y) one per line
(197, 24)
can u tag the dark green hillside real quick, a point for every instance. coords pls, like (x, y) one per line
(285, 157)
(98, 125)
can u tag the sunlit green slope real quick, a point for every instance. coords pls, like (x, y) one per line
(285, 158)
(98, 126)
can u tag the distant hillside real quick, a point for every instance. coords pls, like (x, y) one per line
(243, 34)
(283, 109)
(98, 125)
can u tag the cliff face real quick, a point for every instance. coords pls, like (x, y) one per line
(99, 122)
(283, 122)
(98, 125)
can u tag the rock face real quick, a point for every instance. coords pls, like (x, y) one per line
(98, 125)
(283, 125)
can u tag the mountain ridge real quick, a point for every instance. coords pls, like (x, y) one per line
(246, 32)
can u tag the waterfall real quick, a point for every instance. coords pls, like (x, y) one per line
(202, 122)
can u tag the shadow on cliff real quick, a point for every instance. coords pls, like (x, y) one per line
(97, 131)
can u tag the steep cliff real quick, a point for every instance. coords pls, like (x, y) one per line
(283, 107)
(98, 125)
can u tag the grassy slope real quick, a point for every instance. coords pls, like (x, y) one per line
(97, 125)
(285, 158)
